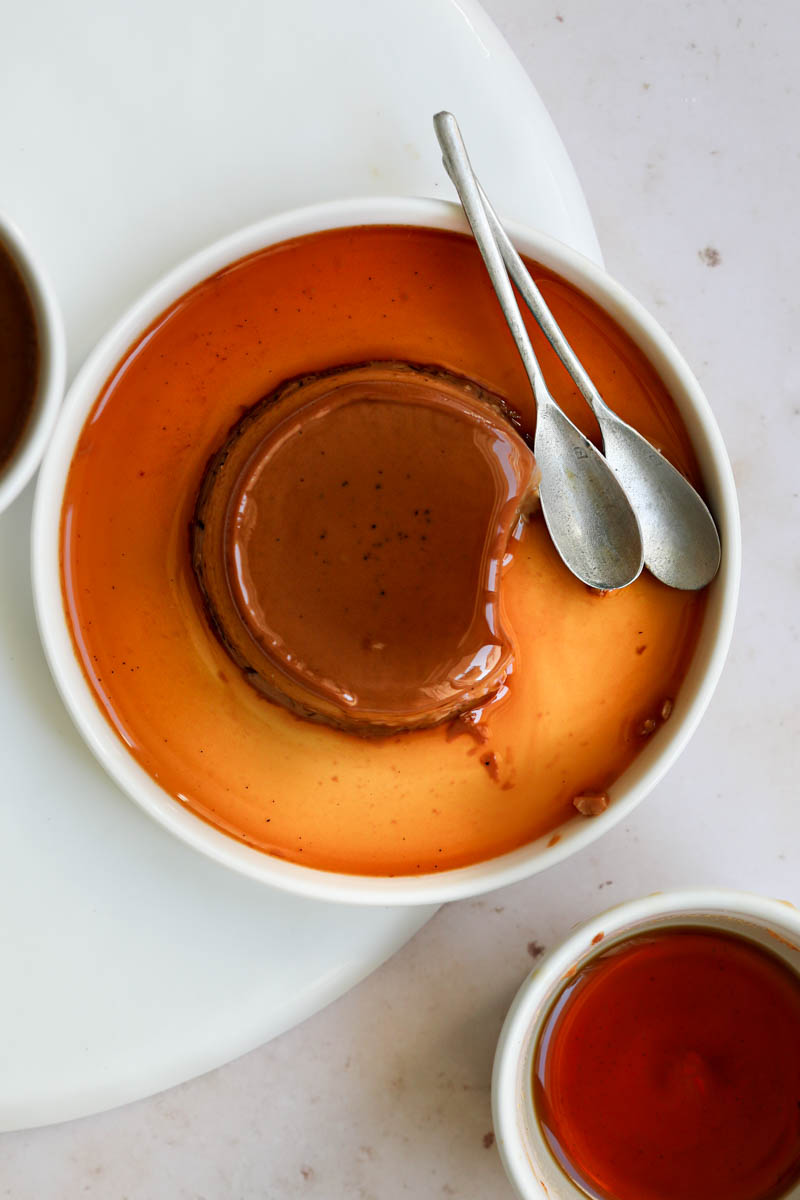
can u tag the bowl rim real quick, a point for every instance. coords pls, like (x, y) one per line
(26, 456)
(649, 767)
(534, 995)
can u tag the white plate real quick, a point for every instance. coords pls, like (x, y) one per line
(130, 963)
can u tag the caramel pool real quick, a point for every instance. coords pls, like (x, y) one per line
(592, 674)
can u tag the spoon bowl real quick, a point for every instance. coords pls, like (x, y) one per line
(584, 507)
(681, 543)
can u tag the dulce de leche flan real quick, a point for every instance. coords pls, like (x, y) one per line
(350, 540)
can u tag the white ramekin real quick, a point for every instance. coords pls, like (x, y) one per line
(649, 766)
(19, 468)
(528, 1161)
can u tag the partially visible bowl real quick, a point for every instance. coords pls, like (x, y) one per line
(25, 458)
(525, 1151)
(630, 788)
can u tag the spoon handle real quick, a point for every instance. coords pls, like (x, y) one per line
(538, 306)
(460, 170)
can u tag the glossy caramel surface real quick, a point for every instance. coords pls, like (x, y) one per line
(351, 538)
(669, 1069)
(589, 670)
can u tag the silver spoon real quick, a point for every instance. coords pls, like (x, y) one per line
(587, 513)
(681, 543)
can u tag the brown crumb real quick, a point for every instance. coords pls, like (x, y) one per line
(666, 709)
(710, 256)
(598, 937)
(488, 1140)
(591, 804)
(646, 728)
(307, 1173)
(535, 949)
(641, 649)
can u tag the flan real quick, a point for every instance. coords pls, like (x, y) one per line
(350, 540)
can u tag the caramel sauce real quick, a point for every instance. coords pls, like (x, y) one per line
(350, 541)
(19, 356)
(588, 670)
(669, 1069)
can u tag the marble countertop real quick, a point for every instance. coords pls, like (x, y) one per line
(681, 122)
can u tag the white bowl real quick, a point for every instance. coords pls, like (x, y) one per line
(526, 1156)
(19, 468)
(649, 766)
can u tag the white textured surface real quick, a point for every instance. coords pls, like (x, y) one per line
(681, 121)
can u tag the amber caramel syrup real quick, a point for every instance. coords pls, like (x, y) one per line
(591, 672)
(669, 1069)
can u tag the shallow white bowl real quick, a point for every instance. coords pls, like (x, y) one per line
(19, 468)
(650, 765)
(526, 1156)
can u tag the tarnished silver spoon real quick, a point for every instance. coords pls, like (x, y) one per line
(681, 543)
(587, 513)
